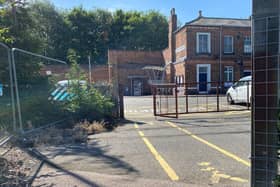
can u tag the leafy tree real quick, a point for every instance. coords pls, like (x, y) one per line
(139, 31)
(38, 26)
(89, 33)
(51, 28)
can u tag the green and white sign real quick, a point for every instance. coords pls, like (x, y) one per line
(1, 89)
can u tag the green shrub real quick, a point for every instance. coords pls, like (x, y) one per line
(86, 102)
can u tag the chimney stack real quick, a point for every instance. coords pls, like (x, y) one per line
(200, 13)
(171, 41)
(172, 28)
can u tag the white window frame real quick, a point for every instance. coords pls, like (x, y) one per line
(232, 46)
(208, 42)
(226, 70)
(246, 47)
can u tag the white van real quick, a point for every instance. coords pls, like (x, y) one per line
(240, 92)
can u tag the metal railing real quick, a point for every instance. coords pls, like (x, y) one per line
(175, 99)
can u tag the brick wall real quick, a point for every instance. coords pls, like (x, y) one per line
(181, 45)
(127, 66)
(166, 55)
(99, 73)
(238, 34)
(215, 69)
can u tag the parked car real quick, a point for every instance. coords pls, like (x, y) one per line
(240, 92)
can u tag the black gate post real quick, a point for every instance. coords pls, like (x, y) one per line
(154, 91)
(121, 104)
(218, 96)
(187, 98)
(176, 100)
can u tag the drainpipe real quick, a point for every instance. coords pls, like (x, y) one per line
(220, 58)
(89, 69)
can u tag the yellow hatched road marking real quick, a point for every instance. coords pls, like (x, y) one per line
(170, 172)
(217, 176)
(228, 154)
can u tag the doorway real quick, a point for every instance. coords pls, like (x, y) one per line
(203, 78)
(137, 87)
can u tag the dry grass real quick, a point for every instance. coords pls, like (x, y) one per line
(78, 134)
(92, 128)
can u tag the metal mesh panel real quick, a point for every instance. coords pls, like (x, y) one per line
(165, 100)
(7, 113)
(265, 129)
(37, 90)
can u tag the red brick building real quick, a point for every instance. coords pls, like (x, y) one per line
(126, 69)
(208, 50)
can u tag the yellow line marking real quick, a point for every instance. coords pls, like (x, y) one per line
(141, 133)
(231, 155)
(187, 132)
(207, 169)
(170, 172)
(204, 164)
(136, 126)
(238, 179)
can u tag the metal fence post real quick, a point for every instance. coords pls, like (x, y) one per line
(187, 98)
(12, 84)
(218, 98)
(16, 90)
(176, 100)
(154, 100)
(248, 100)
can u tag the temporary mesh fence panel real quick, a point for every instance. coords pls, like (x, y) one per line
(7, 120)
(39, 94)
(265, 126)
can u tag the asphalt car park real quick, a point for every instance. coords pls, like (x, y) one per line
(198, 148)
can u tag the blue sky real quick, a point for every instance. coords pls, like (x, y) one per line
(185, 9)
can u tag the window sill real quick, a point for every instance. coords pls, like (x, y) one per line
(208, 54)
(247, 54)
(229, 54)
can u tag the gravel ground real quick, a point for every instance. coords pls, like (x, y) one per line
(17, 166)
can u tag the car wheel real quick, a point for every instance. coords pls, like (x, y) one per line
(229, 99)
